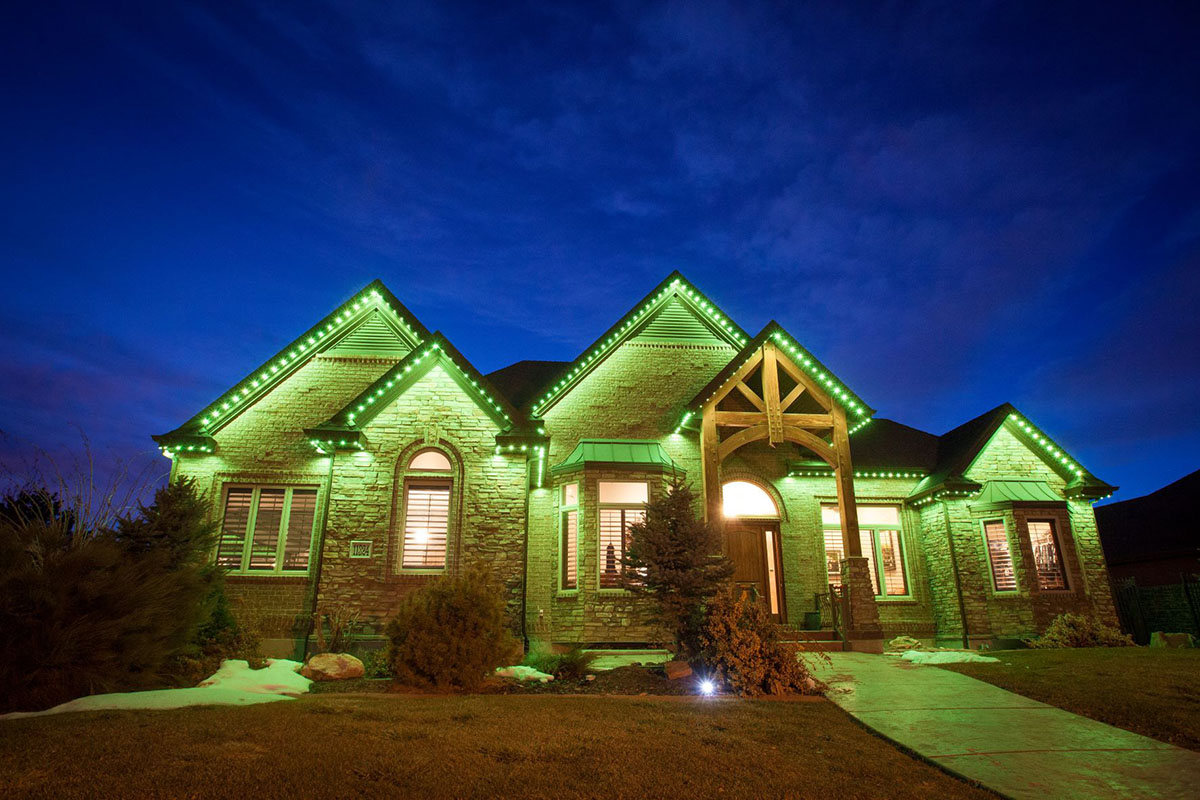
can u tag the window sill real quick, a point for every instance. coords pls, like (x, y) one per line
(566, 594)
(267, 577)
(897, 600)
(428, 571)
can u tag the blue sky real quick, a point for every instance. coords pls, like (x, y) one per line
(952, 205)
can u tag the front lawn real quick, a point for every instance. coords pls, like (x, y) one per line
(1153, 692)
(465, 746)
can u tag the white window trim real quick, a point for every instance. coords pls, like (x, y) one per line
(563, 510)
(1056, 536)
(284, 521)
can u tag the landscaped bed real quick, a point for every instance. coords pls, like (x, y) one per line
(1154, 692)
(464, 746)
(631, 680)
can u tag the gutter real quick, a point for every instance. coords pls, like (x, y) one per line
(316, 581)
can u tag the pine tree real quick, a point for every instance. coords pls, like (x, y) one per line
(675, 558)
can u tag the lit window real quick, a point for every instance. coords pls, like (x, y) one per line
(426, 519)
(430, 461)
(267, 529)
(569, 537)
(1047, 557)
(880, 541)
(1004, 579)
(745, 499)
(622, 505)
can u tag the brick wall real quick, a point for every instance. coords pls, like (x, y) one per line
(367, 501)
(265, 444)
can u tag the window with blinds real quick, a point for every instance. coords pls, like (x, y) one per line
(614, 538)
(1047, 557)
(568, 578)
(267, 529)
(1004, 577)
(426, 522)
(881, 544)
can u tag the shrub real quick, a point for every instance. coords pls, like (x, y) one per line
(675, 558)
(343, 622)
(571, 665)
(1076, 630)
(88, 607)
(376, 664)
(743, 652)
(451, 633)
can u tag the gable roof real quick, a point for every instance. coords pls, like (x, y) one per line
(360, 325)
(959, 447)
(1160, 524)
(520, 382)
(860, 412)
(344, 429)
(657, 316)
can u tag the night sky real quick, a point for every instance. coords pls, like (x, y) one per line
(952, 208)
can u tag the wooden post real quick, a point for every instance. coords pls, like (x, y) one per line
(710, 463)
(843, 472)
(770, 383)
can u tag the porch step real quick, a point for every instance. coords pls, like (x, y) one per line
(824, 635)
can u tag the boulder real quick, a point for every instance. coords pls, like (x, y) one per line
(1173, 640)
(332, 667)
(903, 643)
(677, 669)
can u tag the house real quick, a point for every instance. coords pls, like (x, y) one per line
(369, 455)
(1152, 547)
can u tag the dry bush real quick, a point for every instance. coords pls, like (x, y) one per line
(451, 633)
(743, 651)
(343, 622)
(1077, 630)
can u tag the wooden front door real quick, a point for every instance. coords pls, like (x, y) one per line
(753, 548)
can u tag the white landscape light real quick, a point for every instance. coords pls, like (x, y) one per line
(707, 687)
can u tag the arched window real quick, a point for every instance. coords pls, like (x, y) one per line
(430, 461)
(745, 499)
(428, 481)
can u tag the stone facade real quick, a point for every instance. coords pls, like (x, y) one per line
(505, 504)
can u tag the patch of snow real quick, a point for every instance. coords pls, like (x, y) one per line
(947, 657)
(523, 673)
(611, 659)
(234, 684)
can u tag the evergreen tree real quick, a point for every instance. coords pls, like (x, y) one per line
(675, 558)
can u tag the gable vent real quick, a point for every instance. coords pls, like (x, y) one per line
(373, 337)
(677, 323)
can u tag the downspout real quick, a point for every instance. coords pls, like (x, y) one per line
(525, 567)
(962, 606)
(316, 583)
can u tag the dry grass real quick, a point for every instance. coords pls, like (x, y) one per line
(465, 746)
(1152, 692)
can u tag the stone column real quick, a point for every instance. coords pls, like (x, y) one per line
(861, 628)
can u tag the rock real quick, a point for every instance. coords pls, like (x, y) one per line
(332, 667)
(903, 643)
(1172, 640)
(677, 669)
(589, 677)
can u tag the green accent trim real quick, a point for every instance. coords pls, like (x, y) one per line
(802, 358)
(674, 288)
(621, 452)
(332, 329)
(1004, 492)
(181, 444)
(437, 350)
(819, 469)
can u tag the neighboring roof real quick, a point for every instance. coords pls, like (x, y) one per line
(958, 448)
(344, 428)
(1163, 523)
(887, 444)
(841, 394)
(1005, 491)
(357, 325)
(643, 452)
(670, 296)
(520, 382)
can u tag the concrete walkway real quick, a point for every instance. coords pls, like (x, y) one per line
(1010, 744)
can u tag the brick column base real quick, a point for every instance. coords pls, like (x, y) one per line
(862, 630)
